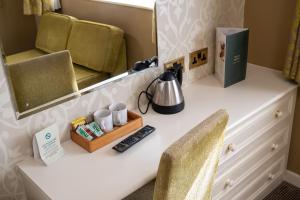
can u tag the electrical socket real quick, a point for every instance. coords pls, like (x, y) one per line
(175, 61)
(199, 57)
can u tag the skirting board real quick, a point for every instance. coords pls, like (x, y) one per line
(292, 178)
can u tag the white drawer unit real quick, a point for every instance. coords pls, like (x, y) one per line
(256, 158)
(254, 154)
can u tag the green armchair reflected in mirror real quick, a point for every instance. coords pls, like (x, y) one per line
(98, 50)
(40, 80)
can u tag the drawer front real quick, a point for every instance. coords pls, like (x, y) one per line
(262, 181)
(257, 180)
(273, 112)
(255, 142)
(258, 156)
(238, 138)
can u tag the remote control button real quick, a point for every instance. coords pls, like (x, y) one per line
(130, 140)
(121, 147)
(142, 134)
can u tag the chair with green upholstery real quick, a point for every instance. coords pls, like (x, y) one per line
(98, 48)
(188, 167)
(86, 77)
(54, 31)
(40, 80)
(121, 65)
(23, 56)
(52, 36)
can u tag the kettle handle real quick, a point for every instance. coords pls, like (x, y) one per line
(179, 75)
(178, 71)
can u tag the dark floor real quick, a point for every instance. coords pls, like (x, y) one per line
(284, 191)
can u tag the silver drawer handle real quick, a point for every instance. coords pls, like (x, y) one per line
(278, 114)
(271, 176)
(231, 148)
(274, 147)
(229, 183)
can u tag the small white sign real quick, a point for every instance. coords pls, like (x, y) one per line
(46, 145)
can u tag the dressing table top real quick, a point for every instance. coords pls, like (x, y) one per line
(106, 174)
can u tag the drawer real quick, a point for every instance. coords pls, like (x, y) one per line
(262, 181)
(254, 143)
(257, 180)
(236, 138)
(251, 161)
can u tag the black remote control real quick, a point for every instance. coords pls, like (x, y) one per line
(133, 139)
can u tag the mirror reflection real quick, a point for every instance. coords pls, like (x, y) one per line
(54, 48)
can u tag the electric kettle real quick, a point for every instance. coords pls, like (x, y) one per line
(167, 97)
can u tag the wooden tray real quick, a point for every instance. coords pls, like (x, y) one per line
(134, 122)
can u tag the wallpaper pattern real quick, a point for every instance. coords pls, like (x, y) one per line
(183, 26)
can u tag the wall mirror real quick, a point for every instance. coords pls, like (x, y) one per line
(59, 51)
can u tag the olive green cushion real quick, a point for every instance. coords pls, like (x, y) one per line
(95, 46)
(121, 65)
(25, 55)
(86, 77)
(40, 80)
(187, 168)
(53, 32)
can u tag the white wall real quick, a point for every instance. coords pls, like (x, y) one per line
(183, 26)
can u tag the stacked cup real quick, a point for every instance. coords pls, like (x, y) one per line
(115, 115)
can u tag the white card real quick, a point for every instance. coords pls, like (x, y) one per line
(46, 145)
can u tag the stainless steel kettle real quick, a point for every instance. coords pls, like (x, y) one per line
(167, 97)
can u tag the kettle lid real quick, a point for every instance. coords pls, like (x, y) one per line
(167, 76)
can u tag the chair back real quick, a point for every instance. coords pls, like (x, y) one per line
(96, 46)
(40, 80)
(53, 33)
(188, 167)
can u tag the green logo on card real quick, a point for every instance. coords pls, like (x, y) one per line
(48, 136)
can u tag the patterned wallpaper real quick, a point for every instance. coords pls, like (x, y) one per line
(183, 26)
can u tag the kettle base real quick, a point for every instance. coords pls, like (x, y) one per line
(168, 110)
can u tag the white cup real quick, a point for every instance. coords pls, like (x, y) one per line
(119, 113)
(104, 119)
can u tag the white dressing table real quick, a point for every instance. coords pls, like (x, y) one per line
(253, 159)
